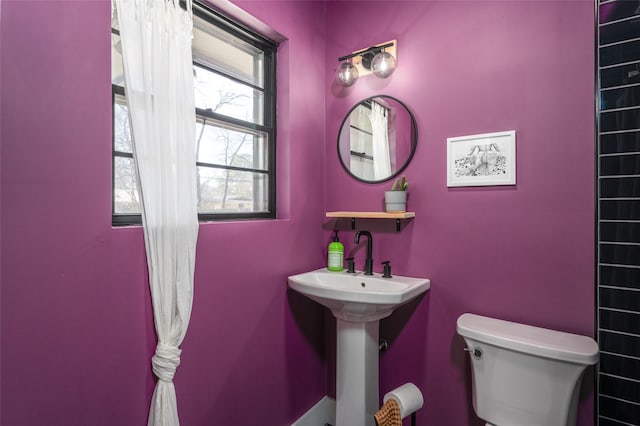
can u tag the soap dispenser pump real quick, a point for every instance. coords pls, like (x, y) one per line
(335, 261)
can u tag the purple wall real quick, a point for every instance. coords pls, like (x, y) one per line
(77, 331)
(522, 253)
(77, 328)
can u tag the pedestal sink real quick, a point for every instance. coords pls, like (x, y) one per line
(358, 302)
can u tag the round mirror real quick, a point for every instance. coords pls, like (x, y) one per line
(377, 139)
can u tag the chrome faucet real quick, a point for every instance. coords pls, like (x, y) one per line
(368, 263)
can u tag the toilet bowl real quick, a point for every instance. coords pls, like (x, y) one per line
(524, 375)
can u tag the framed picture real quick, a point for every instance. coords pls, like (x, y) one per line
(482, 160)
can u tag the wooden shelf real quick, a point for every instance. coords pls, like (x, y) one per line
(372, 215)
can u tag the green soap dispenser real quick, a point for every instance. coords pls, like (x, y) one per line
(336, 255)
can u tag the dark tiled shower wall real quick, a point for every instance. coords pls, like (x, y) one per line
(618, 273)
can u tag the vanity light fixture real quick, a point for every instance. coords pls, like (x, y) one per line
(347, 73)
(383, 64)
(375, 59)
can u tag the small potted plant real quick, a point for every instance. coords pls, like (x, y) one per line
(396, 199)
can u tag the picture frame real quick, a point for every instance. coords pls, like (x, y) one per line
(486, 159)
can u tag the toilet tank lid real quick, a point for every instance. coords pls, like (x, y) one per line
(529, 339)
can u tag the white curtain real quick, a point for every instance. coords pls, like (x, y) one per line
(380, 130)
(156, 50)
(361, 163)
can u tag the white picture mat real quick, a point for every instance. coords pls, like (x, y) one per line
(482, 160)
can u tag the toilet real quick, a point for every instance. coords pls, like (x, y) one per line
(524, 375)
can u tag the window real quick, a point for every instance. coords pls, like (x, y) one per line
(234, 86)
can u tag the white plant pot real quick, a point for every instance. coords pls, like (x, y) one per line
(395, 201)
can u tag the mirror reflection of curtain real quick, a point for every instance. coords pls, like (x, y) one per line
(361, 158)
(380, 141)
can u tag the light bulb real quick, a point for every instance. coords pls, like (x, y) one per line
(347, 74)
(383, 65)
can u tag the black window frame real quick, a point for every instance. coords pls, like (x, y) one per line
(269, 49)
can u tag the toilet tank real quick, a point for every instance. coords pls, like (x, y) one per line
(524, 375)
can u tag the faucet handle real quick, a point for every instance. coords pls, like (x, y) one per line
(387, 269)
(351, 265)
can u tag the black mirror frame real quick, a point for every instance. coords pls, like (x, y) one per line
(414, 142)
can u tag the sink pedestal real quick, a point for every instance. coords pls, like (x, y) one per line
(356, 373)
(358, 302)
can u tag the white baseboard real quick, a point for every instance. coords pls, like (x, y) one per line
(322, 413)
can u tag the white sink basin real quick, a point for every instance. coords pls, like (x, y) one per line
(358, 297)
